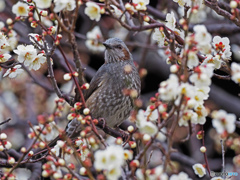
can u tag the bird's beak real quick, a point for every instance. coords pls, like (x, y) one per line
(108, 46)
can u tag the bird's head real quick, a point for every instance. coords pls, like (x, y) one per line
(116, 50)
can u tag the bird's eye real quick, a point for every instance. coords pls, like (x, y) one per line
(119, 46)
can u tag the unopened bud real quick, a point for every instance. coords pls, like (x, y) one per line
(71, 116)
(11, 160)
(85, 86)
(59, 36)
(61, 162)
(134, 163)
(57, 175)
(30, 154)
(132, 144)
(3, 136)
(83, 133)
(71, 166)
(79, 117)
(67, 76)
(23, 150)
(146, 137)
(86, 111)
(34, 24)
(119, 141)
(75, 74)
(174, 68)
(128, 6)
(203, 149)
(83, 171)
(102, 10)
(200, 135)
(233, 4)
(78, 105)
(130, 129)
(42, 145)
(9, 21)
(146, 18)
(43, 13)
(8, 145)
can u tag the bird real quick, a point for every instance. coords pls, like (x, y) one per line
(105, 97)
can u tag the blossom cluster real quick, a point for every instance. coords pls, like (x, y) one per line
(111, 159)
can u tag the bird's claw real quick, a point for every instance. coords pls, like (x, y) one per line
(103, 121)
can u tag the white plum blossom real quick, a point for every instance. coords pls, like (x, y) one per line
(179, 32)
(43, 3)
(101, 160)
(145, 127)
(188, 115)
(192, 59)
(113, 173)
(205, 90)
(201, 114)
(171, 21)
(199, 170)
(93, 11)
(14, 71)
(215, 60)
(111, 159)
(26, 54)
(128, 154)
(140, 5)
(161, 135)
(64, 4)
(222, 47)
(20, 9)
(202, 76)
(223, 121)
(196, 97)
(4, 57)
(203, 38)
(159, 36)
(169, 89)
(12, 40)
(93, 37)
(3, 41)
(235, 72)
(180, 176)
(118, 12)
(37, 62)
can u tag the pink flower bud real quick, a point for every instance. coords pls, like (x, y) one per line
(11, 160)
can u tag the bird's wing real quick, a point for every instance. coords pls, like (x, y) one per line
(97, 81)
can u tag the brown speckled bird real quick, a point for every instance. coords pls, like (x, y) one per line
(105, 97)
